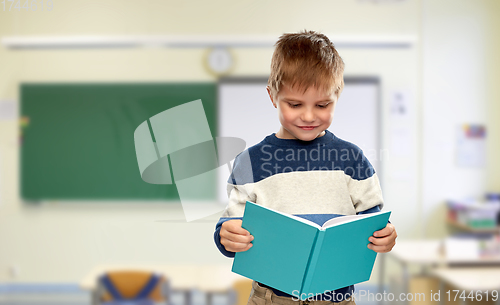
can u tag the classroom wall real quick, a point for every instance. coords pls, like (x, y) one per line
(73, 237)
(493, 91)
(459, 74)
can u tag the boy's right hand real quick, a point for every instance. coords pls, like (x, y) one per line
(233, 237)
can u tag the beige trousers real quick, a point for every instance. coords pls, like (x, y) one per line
(265, 296)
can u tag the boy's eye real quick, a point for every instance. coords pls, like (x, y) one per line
(322, 106)
(294, 105)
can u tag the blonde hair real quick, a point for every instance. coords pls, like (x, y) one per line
(306, 59)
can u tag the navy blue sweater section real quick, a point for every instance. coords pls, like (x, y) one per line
(274, 156)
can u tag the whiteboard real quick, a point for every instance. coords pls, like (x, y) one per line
(245, 111)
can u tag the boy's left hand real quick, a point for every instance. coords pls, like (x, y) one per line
(383, 240)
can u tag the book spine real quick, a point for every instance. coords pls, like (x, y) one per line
(313, 259)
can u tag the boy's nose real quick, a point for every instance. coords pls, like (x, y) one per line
(308, 115)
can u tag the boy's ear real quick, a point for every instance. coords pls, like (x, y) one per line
(271, 96)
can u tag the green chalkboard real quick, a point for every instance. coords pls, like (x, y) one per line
(77, 140)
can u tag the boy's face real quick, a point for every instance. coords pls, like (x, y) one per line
(303, 116)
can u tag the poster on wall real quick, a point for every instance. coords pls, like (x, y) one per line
(471, 145)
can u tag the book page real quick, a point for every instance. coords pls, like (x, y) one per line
(308, 222)
(344, 219)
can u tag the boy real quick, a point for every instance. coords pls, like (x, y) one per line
(303, 169)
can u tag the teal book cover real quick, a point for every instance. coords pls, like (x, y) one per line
(301, 258)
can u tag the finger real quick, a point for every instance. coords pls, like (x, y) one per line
(238, 230)
(381, 249)
(234, 246)
(385, 231)
(236, 237)
(250, 245)
(235, 227)
(381, 241)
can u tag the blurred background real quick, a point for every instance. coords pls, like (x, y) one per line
(423, 74)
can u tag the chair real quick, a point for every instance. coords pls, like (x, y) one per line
(242, 289)
(132, 287)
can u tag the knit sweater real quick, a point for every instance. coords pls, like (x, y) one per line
(317, 180)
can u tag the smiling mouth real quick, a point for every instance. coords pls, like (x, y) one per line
(307, 127)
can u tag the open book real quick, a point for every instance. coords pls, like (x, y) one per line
(298, 257)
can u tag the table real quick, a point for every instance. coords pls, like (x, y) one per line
(211, 279)
(470, 280)
(422, 252)
(457, 273)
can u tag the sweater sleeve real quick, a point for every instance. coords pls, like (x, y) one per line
(239, 190)
(364, 185)
(375, 209)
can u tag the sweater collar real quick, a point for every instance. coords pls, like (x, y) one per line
(328, 137)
